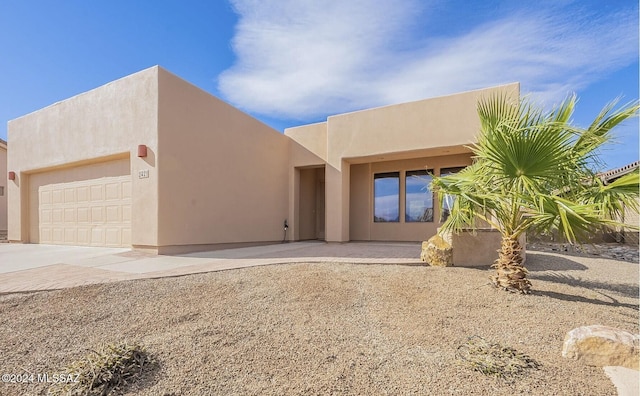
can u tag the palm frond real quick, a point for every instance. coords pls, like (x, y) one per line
(531, 171)
(598, 133)
(573, 220)
(614, 198)
(530, 153)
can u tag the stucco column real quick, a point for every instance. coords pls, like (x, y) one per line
(337, 203)
(293, 233)
(18, 201)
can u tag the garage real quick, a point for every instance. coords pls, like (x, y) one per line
(87, 205)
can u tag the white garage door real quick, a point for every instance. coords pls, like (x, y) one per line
(94, 212)
(86, 205)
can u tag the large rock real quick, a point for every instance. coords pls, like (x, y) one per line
(437, 252)
(602, 346)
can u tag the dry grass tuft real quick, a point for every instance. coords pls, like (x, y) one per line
(494, 359)
(110, 368)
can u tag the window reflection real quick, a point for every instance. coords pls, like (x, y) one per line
(386, 190)
(448, 199)
(418, 197)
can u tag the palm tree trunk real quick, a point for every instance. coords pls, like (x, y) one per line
(510, 274)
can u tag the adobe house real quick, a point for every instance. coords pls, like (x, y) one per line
(154, 163)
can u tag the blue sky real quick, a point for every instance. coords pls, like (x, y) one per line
(291, 62)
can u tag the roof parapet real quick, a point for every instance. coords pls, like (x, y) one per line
(618, 172)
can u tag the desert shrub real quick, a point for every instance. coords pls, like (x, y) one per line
(108, 369)
(494, 359)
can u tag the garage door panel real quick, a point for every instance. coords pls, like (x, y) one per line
(57, 216)
(84, 236)
(113, 237)
(112, 191)
(45, 234)
(70, 215)
(45, 216)
(82, 194)
(57, 235)
(45, 197)
(126, 214)
(57, 197)
(94, 212)
(83, 215)
(97, 214)
(113, 214)
(97, 237)
(69, 195)
(96, 193)
(126, 189)
(70, 235)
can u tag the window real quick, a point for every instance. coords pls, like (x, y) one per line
(448, 200)
(386, 192)
(1, 191)
(418, 197)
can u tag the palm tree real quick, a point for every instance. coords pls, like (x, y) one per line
(532, 170)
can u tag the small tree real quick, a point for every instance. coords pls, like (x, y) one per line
(532, 170)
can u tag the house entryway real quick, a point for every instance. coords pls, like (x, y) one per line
(311, 218)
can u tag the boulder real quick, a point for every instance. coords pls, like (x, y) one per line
(602, 346)
(423, 253)
(437, 252)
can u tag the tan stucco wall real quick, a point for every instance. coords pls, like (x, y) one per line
(423, 129)
(312, 137)
(91, 128)
(631, 217)
(3, 182)
(223, 174)
(425, 124)
(629, 236)
(478, 248)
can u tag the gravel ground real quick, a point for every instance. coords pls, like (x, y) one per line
(327, 328)
(616, 251)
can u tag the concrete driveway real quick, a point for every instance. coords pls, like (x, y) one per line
(31, 267)
(18, 257)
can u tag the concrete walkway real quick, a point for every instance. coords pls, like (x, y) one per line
(30, 267)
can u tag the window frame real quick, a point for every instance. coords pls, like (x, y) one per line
(407, 175)
(384, 175)
(446, 172)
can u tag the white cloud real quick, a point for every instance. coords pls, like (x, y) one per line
(303, 58)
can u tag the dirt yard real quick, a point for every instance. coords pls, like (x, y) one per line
(327, 328)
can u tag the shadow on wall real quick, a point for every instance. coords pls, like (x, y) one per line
(149, 156)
